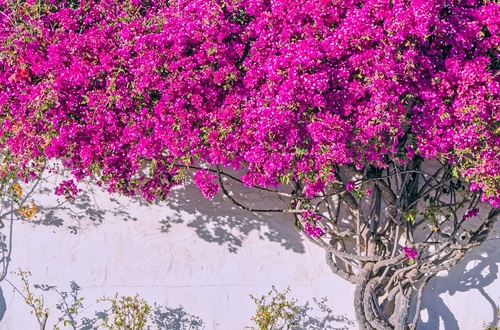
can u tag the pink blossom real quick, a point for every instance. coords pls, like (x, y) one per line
(471, 213)
(313, 231)
(206, 182)
(349, 186)
(68, 189)
(128, 93)
(410, 252)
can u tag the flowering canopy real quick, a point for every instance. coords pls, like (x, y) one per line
(133, 92)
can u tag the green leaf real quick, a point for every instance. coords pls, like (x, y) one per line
(410, 216)
(455, 172)
(359, 194)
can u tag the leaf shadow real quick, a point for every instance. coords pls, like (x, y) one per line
(167, 318)
(217, 221)
(327, 321)
(222, 222)
(476, 271)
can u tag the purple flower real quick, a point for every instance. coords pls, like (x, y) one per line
(125, 98)
(68, 189)
(313, 231)
(471, 213)
(205, 181)
(410, 252)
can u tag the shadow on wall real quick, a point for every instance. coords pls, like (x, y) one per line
(220, 221)
(483, 271)
(84, 209)
(5, 252)
(7, 217)
(326, 322)
(79, 211)
(175, 319)
(163, 318)
(70, 306)
(3, 305)
(216, 221)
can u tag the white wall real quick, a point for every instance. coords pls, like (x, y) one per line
(199, 260)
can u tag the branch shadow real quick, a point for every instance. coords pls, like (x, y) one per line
(91, 323)
(5, 251)
(166, 318)
(3, 304)
(82, 210)
(304, 321)
(70, 306)
(217, 221)
(462, 278)
(6, 239)
(220, 221)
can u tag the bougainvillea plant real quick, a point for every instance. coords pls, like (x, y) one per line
(384, 110)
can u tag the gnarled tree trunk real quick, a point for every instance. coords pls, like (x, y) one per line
(388, 232)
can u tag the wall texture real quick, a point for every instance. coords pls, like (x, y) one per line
(197, 261)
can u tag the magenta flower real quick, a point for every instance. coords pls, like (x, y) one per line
(410, 252)
(68, 189)
(126, 92)
(313, 231)
(471, 213)
(349, 186)
(206, 182)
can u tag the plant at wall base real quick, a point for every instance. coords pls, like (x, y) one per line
(375, 122)
(69, 309)
(275, 311)
(36, 303)
(127, 313)
(494, 325)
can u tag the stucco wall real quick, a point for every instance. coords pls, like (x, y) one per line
(199, 260)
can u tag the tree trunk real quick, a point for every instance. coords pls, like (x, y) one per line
(43, 324)
(379, 308)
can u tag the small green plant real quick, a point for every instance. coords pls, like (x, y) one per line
(493, 326)
(127, 313)
(275, 311)
(69, 306)
(35, 302)
(69, 309)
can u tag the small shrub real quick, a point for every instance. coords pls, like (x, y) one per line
(36, 303)
(275, 311)
(492, 326)
(127, 313)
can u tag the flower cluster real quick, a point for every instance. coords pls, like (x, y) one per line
(310, 220)
(205, 181)
(133, 92)
(68, 189)
(313, 231)
(410, 252)
(17, 189)
(471, 213)
(28, 211)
